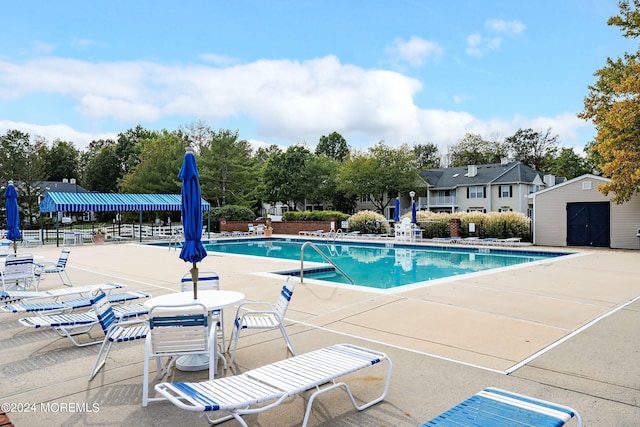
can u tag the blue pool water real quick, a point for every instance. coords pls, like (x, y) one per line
(382, 266)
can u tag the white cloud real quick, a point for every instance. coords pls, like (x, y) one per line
(42, 48)
(82, 43)
(511, 28)
(415, 51)
(285, 101)
(52, 132)
(478, 44)
(220, 60)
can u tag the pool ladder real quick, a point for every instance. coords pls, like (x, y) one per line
(323, 255)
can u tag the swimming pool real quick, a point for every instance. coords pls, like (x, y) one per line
(382, 265)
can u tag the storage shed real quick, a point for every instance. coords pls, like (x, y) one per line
(576, 213)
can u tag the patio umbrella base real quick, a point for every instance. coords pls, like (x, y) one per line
(193, 362)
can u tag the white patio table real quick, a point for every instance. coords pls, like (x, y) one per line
(212, 300)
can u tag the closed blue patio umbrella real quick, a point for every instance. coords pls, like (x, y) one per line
(13, 218)
(396, 214)
(192, 251)
(413, 212)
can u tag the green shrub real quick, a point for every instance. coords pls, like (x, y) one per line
(369, 222)
(314, 216)
(500, 225)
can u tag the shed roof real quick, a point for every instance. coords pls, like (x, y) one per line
(112, 202)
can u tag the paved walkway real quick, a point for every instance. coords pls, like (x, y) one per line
(566, 331)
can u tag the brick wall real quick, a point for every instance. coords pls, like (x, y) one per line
(285, 227)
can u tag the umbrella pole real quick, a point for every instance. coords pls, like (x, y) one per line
(15, 247)
(194, 278)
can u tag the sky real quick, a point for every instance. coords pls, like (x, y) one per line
(289, 72)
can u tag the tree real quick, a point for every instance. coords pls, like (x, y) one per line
(61, 161)
(129, 146)
(613, 105)
(319, 179)
(101, 171)
(333, 146)
(381, 171)
(570, 165)
(228, 171)
(473, 150)
(534, 149)
(22, 162)
(14, 146)
(427, 156)
(283, 178)
(160, 162)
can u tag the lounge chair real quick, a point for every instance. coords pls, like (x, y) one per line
(492, 407)
(177, 330)
(73, 324)
(269, 317)
(68, 305)
(59, 267)
(7, 297)
(261, 389)
(115, 331)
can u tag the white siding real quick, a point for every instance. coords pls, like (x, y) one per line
(550, 214)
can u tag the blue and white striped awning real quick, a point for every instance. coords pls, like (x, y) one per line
(112, 202)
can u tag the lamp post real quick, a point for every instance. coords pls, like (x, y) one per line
(412, 194)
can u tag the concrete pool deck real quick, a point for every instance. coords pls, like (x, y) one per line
(566, 330)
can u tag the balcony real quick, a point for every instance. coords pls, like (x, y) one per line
(438, 201)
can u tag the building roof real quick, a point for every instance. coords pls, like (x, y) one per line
(494, 173)
(112, 202)
(571, 181)
(64, 186)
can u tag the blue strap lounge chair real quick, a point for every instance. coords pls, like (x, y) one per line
(68, 305)
(12, 297)
(263, 388)
(494, 407)
(72, 325)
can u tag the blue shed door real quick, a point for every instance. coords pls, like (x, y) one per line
(588, 224)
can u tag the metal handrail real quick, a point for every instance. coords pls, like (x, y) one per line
(334, 234)
(323, 255)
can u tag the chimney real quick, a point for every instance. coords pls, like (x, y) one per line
(504, 160)
(72, 181)
(472, 171)
(550, 180)
(66, 180)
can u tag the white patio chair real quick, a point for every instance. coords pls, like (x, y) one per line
(19, 273)
(58, 267)
(207, 281)
(114, 331)
(269, 318)
(174, 331)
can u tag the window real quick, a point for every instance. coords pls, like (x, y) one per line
(505, 209)
(482, 210)
(505, 191)
(366, 198)
(476, 192)
(533, 188)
